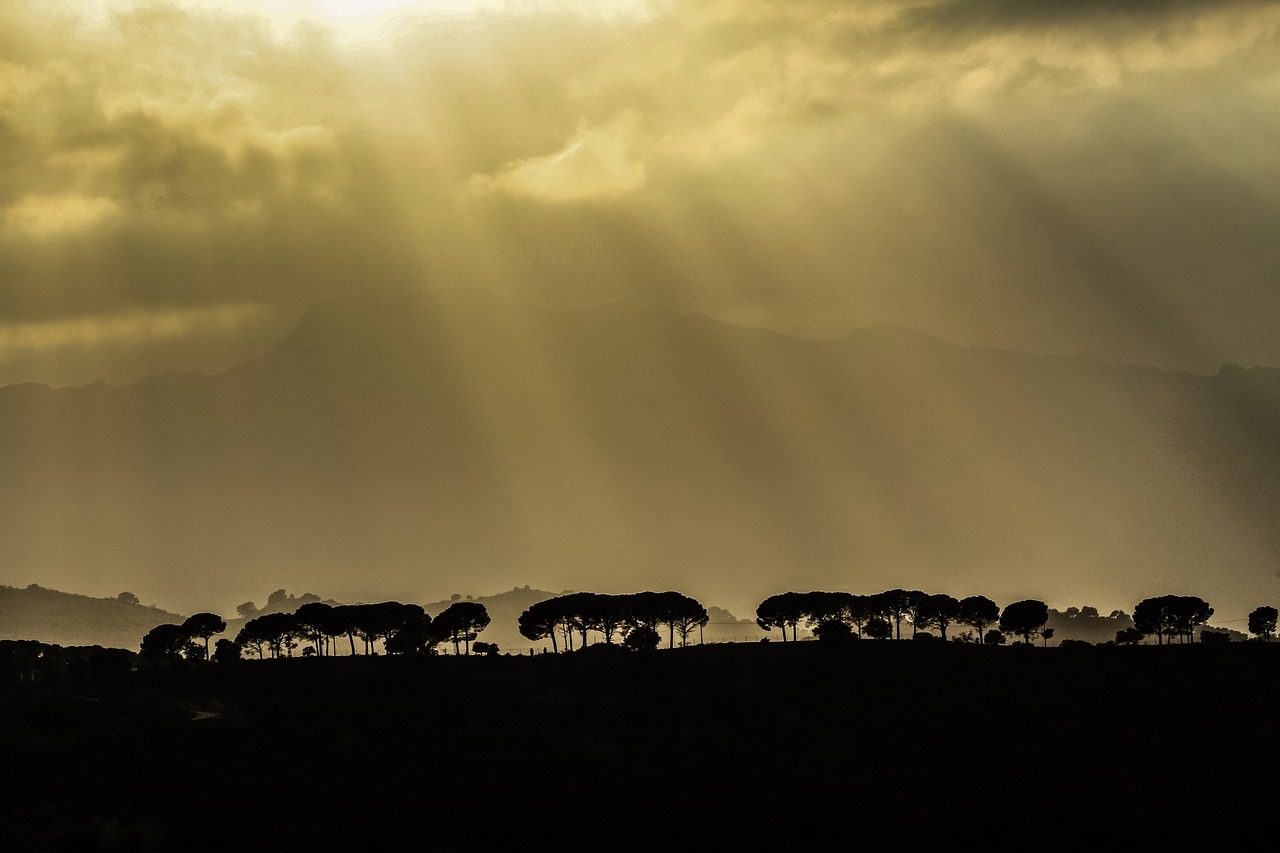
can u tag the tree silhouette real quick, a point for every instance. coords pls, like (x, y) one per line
(878, 628)
(460, 622)
(540, 621)
(896, 604)
(418, 636)
(1046, 634)
(833, 630)
(684, 614)
(993, 637)
(1128, 637)
(164, 643)
(642, 639)
(226, 651)
(1171, 616)
(316, 620)
(204, 626)
(937, 611)
(978, 612)
(1024, 618)
(1262, 622)
(781, 611)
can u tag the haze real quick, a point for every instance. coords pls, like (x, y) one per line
(181, 182)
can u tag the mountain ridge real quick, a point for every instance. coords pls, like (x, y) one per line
(406, 443)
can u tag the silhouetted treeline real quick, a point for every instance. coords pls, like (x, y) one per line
(635, 617)
(878, 616)
(319, 629)
(24, 661)
(843, 615)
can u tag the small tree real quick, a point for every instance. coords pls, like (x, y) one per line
(226, 651)
(642, 639)
(1046, 634)
(1128, 637)
(1262, 623)
(993, 637)
(833, 630)
(878, 628)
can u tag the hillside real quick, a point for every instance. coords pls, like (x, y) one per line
(724, 747)
(405, 448)
(67, 619)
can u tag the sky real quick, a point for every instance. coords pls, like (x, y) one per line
(179, 181)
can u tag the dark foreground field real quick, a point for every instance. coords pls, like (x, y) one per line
(771, 746)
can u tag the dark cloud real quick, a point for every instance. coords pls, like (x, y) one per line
(988, 15)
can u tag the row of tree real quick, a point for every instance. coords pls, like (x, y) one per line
(880, 616)
(401, 628)
(636, 617)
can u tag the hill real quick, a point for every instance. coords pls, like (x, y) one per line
(402, 448)
(720, 746)
(67, 619)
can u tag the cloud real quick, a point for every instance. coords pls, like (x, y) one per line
(595, 163)
(44, 216)
(808, 165)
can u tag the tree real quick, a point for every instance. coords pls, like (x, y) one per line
(878, 628)
(1024, 617)
(276, 631)
(226, 651)
(1171, 616)
(1128, 637)
(1262, 622)
(316, 619)
(164, 643)
(937, 611)
(540, 621)
(460, 622)
(483, 648)
(979, 613)
(896, 604)
(642, 639)
(993, 637)
(683, 614)
(204, 626)
(833, 630)
(784, 610)
(1046, 634)
(127, 598)
(417, 636)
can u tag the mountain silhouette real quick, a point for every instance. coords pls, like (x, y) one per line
(403, 447)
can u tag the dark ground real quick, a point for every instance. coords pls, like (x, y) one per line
(796, 746)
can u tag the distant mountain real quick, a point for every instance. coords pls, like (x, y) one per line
(66, 619)
(400, 448)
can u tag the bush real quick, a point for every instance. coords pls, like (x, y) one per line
(642, 639)
(833, 631)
